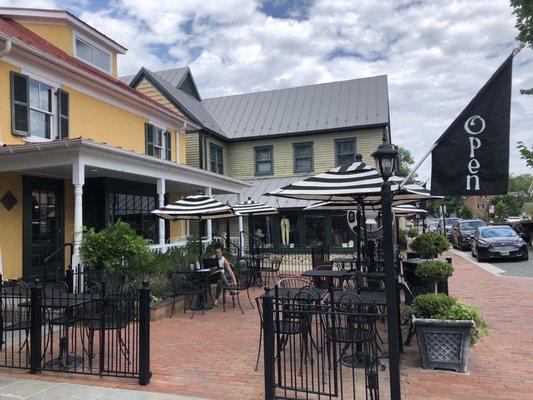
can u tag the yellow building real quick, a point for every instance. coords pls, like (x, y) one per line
(79, 147)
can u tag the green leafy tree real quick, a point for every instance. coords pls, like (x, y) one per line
(526, 153)
(523, 9)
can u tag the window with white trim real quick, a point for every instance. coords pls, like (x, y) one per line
(41, 114)
(93, 55)
(158, 142)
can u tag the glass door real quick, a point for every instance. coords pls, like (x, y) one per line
(43, 228)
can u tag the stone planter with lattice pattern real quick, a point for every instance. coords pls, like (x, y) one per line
(443, 343)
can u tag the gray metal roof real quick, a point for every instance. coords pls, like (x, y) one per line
(325, 106)
(353, 103)
(173, 76)
(265, 185)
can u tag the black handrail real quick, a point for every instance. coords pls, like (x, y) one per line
(58, 250)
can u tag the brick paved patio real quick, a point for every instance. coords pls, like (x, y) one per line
(213, 356)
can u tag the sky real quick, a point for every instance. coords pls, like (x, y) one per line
(436, 54)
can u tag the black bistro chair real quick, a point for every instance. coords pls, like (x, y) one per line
(245, 280)
(13, 317)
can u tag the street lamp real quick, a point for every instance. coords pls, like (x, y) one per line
(386, 160)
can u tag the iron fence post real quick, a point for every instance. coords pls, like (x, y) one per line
(144, 334)
(390, 292)
(35, 327)
(268, 340)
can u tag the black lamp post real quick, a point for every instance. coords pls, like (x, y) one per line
(386, 160)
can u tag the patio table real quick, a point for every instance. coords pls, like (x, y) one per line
(68, 302)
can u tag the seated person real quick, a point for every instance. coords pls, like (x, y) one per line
(223, 266)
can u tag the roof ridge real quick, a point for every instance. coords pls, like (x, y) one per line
(296, 87)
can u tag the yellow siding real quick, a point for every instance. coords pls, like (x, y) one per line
(241, 154)
(182, 138)
(192, 150)
(59, 35)
(5, 104)
(103, 122)
(11, 226)
(149, 90)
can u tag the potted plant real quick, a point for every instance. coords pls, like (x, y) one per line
(445, 329)
(434, 272)
(430, 245)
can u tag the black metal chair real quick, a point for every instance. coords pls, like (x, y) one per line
(245, 280)
(184, 284)
(13, 317)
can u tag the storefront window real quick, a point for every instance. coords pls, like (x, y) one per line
(264, 228)
(136, 211)
(315, 230)
(340, 230)
(289, 230)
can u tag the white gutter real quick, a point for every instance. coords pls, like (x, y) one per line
(7, 49)
(79, 143)
(113, 88)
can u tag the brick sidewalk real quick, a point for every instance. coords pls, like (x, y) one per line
(213, 356)
(501, 365)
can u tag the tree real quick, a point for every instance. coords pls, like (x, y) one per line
(526, 153)
(523, 9)
(405, 161)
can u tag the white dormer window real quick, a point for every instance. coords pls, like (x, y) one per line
(92, 54)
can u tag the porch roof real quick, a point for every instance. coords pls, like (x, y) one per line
(57, 158)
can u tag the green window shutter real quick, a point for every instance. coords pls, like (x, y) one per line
(20, 104)
(168, 144)
(149, 131)
(62, 114)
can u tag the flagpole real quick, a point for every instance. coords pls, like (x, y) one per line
(516, 50)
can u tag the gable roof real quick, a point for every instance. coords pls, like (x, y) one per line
(355, 103)
(19, 34)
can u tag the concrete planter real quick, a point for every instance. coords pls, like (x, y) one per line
(443, 343)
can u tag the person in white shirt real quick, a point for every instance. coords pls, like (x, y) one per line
(223, 266)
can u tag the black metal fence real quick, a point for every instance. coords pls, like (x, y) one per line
(320, 349)
(95, 332)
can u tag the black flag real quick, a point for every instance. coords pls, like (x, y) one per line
(472, 156)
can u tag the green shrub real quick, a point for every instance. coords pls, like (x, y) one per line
(440, 306)
(117, 248)
(430, 245)
(434, 271)
(413, 233)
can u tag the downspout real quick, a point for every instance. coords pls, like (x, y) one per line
(6, 50)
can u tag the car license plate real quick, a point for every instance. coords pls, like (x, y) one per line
(504, 253)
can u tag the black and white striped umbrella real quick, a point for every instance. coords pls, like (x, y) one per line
(406, 210)
(345, 183)
(195, 207)
(250, 207)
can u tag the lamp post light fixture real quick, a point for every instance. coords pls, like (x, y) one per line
(386, 160)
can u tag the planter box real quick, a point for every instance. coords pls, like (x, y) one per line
(443, 343)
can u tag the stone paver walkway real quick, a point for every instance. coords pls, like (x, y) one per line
(501, 366)
(26, 389)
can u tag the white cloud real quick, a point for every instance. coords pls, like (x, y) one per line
(436, 54)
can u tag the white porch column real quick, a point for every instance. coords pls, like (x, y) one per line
(209, 224)
(161, 203)
(78, 180)
(241, 227)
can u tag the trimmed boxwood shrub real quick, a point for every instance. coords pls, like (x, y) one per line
(434, 271)
(440, 306)
(430, 245)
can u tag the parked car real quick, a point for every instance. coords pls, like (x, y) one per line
(449, 224)
(433, 226)
(498, 241)
(462, 232)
